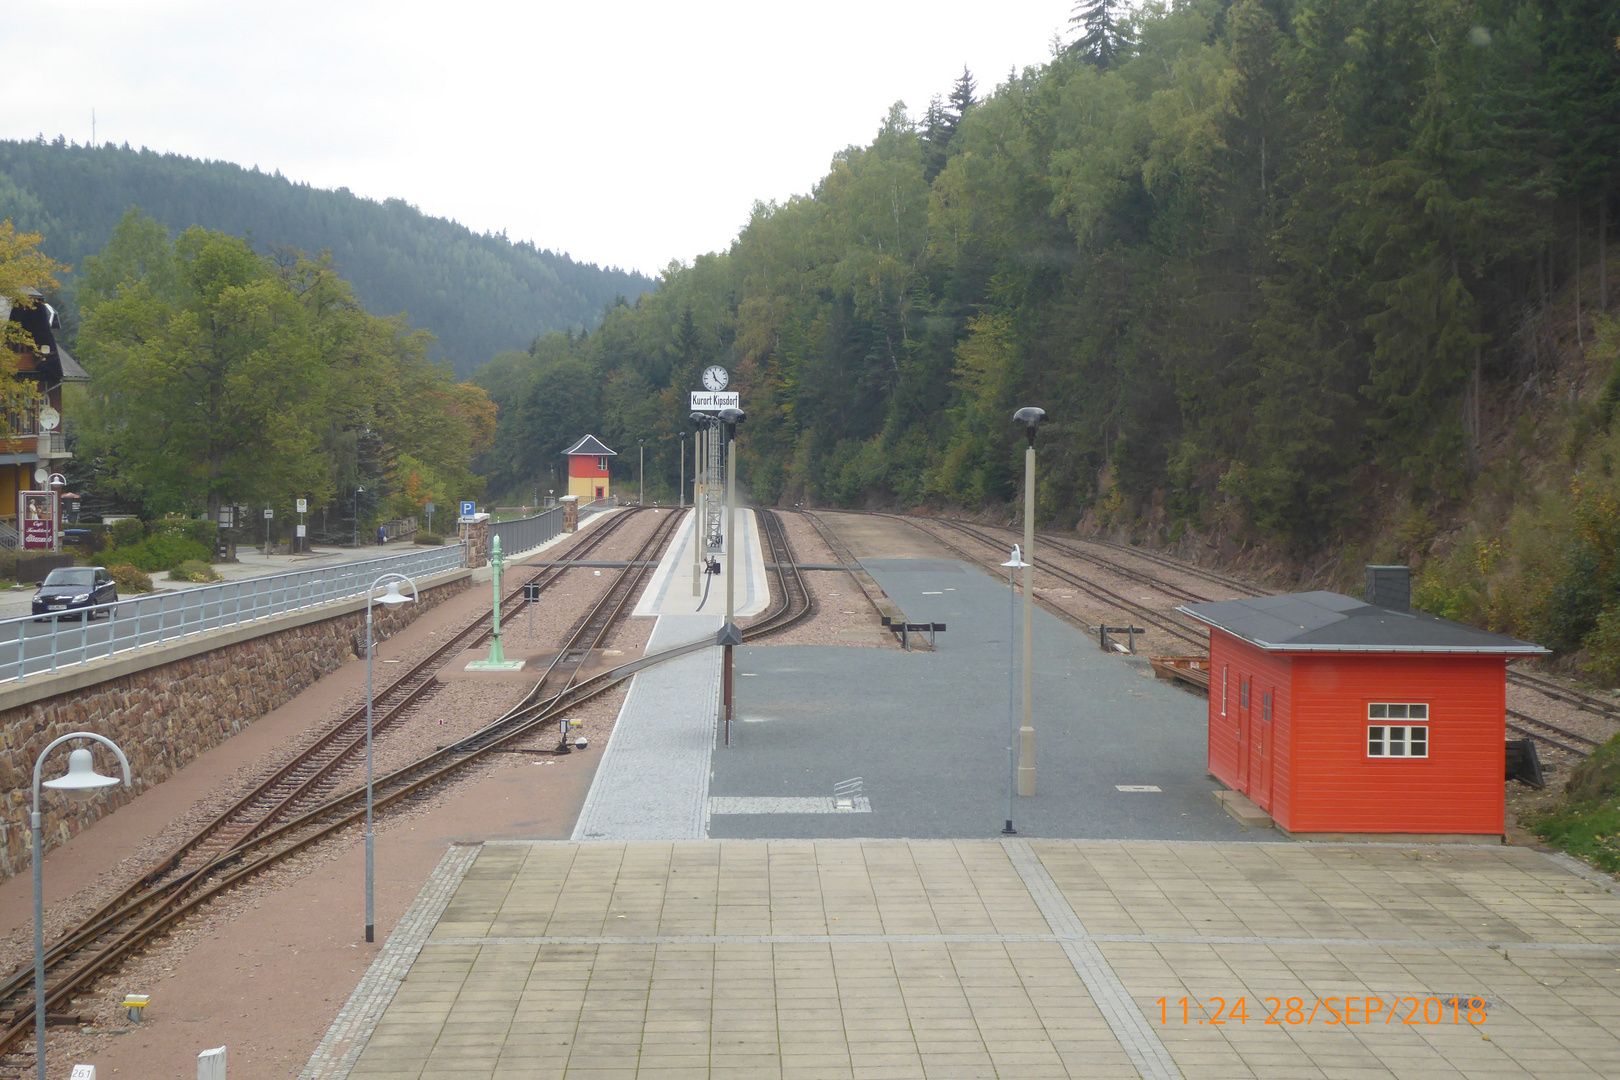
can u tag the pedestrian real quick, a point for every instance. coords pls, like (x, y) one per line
(382, 535)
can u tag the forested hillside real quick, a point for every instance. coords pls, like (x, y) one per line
(1253, 258)
(478, 294)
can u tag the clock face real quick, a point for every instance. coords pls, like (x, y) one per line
(715, 378)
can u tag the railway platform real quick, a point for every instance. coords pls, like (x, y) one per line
(989, 958)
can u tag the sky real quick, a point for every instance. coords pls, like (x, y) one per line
(627, 134)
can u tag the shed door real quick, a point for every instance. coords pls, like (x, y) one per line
(1261, 788)
(1243, 735)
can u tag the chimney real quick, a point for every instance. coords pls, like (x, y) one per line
(1389, 587)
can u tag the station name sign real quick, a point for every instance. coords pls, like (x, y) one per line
(713, 401)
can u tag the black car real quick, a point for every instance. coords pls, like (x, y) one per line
(74, 587)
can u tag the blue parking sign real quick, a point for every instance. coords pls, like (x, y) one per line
(468, 508)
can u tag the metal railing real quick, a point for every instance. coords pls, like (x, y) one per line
(525, 534)
(29, 646)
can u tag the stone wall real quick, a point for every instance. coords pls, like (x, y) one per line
(167, 705)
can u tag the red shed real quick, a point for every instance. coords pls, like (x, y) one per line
(588, 469)
(1339, 716)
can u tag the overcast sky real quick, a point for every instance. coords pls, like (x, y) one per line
(630, 133)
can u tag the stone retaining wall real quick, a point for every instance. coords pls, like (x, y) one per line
(169, 705)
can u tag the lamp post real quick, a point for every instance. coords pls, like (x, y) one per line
(680, 489)
(1012, 565)
(358, 491)
(81, 782)
(700, 496)
(730, 418)
(392, 598)
(641, 473)
(1031, 418)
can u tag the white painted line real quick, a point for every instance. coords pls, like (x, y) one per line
(784, 804)
(1137, 787)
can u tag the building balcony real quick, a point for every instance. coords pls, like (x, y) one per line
(52, 445)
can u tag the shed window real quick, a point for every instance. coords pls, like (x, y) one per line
(1397, 740)
(1243, 692)
(1265, 707)
(601, 464)
(1226, 673)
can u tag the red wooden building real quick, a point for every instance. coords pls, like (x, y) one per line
(588, 469)
(1339, 716)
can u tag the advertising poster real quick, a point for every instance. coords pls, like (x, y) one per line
(36, 518)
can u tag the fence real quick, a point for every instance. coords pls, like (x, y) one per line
(29, 648)
(526, 534)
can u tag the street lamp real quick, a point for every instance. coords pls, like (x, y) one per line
(392, 598)
(359, 491)
(1031, 418)
(1012, 565)
(641, 473)
(79, 785)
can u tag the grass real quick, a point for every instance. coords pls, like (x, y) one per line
(1586, 821)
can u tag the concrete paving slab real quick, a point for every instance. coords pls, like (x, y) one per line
(990, 958)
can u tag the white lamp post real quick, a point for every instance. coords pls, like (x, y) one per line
(1031, 418)
(80, 785)
(392, 598)
(359, 491)
(641, 473)
(1013, 565)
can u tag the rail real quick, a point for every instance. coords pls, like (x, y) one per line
(30, 647)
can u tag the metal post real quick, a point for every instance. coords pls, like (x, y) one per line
(1026, 753)
(731, 564)
(680, 490)
(371, 922)
(698, 513)
(1012, 687)
(641, 473)
(731, 524)
(496, 656)
(39, 942)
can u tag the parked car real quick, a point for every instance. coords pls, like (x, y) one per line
(70, 588)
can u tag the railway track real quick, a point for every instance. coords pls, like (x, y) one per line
(276, 819)
(796, 602)
(1098, 592)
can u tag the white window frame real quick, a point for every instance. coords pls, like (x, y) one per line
(601, 464)
(1403, 739)
(1226, 675)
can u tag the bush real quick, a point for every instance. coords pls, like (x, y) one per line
(193, 570)
(160, 552)
(431, 539)
(129, 579)
(127, 533)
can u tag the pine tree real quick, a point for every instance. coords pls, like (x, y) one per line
(961, 100)
(1104, 40)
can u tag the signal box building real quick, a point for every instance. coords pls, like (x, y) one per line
(588, 469)
(1339, 716)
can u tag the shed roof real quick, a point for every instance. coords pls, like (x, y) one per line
(592, 446)
(1330, 622)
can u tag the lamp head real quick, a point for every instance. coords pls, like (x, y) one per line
(393, 595)
(1030, 417)
(732, 416)
(82, 781)
(700, 418)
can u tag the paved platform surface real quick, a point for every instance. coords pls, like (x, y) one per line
(899, 959)
(927, 731)
(670, 590)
